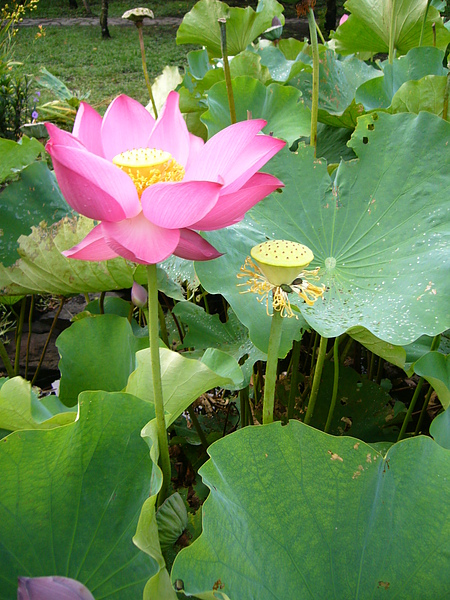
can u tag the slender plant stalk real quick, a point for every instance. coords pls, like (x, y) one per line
(347, 349)
(198, 428)
(47, 341)
(245, 409)
(315, 82)
(423, 411)
(322, 39)
(5, 358)
(162, 325)
(153, 331)
(335, 385)
(271, 367)
(30, 329)
(434, 345)
(392, 33)
(379, 370)
(316, 380)
(313, 354)
(226, 68)
(144, 68)
(422, 31)
(371, 366)
(101, 303)
(446, 93)
(19, 330)
(294, 378)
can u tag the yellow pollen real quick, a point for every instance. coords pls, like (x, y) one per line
(147, 166)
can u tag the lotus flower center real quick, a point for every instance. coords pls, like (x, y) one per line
(147, 166)
(281, 260)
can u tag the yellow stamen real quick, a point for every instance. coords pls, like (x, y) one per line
(147, 166)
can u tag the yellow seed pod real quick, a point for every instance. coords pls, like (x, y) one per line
(281, 261)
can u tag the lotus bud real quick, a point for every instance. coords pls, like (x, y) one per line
(139, 295)
(343, 19)
(52, 588)
(275, 31)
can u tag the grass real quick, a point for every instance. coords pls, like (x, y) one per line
(106, 68)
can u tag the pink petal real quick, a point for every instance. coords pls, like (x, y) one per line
(170, 132)
(87, 128)
(195, 145)
(93, 247)
(177, 205)
(193, 247)
(221, 156)
(93, 186)
(231, 208)
(126, 125)
(141, 241)
(59, 137)
(343, 19)
(255, 156)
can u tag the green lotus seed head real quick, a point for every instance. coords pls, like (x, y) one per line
(137, 15)
(281, 261)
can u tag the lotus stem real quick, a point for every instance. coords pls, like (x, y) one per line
(30, 319)
(47, 341)
(19, 330)
(5, 358)
(245, 409)
(315, 81)
(316, 381)
(226, 68)
(446, 92)
(335, 385)
(198, 428)
(434, 346)
(422, 31)
(322, 39)
(144, 68)
(423, 411)
(271, 367)
(162, 325)
(294, 378)
(153, 331)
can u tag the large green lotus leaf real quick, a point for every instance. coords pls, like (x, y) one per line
(183, 379)
(282, 67)
(371, 21)
(363, 408)
(338, 81)
(200, 25)
(419, 62)
(440, 429)
(15, 156)
(332, 143)
(396, 355)
(281, 106)
(426, 94)
(435, 368)
(97, 353)
(43, 269)
(315, 516)
(380, 238)
(71, 498)
(20, 408)
(208, 331)
(33, 198)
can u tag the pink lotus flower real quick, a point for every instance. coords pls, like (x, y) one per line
(151, 184)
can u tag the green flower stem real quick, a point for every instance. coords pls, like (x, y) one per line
(335, 385)
(422, 31)
(19, 330)
(423, 411)
(144, 68)
(315, 83)
(162, 325)
(379, 370)
(434, 346)
(5, 358)
(294, 378)
(226, 68)
(47, 341)
(347, 349)
(316, 380)
(446, 93)
(30, 331)
(245, 409)
(322, 39)
(313, 354)
(271, 367)
(153, 331)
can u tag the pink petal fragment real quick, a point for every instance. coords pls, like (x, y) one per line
(170, 132)
(87, 128)
(193, 247)
(93, 186)
(178, 205)
(141, 241)
(254, 158)
(231, 208)
(59, 137)
(195, 145)
(93, 247)
(221, 152)
(126, 125)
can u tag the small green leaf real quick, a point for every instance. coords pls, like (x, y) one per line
(435, 368)
(426, 94)
(16, 156)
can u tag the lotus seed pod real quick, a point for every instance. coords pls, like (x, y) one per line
(281, 260)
